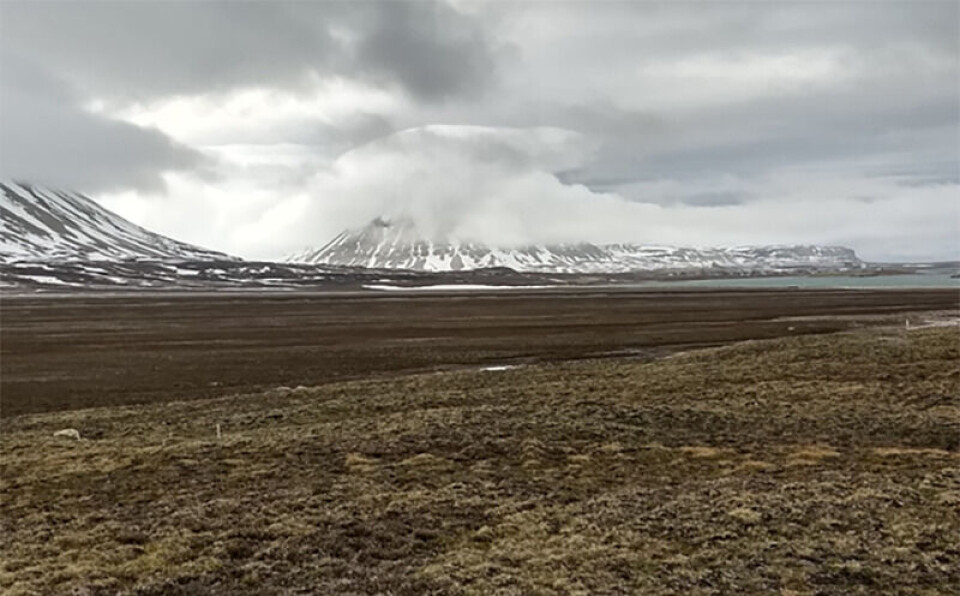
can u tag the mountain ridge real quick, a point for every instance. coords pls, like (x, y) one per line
(387, 244)
(44, 224)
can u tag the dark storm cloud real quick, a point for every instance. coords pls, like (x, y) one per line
(432, 50)
(142, 51)
(883, 79)
(904, 116)
(659, 30)
(756, 136)
(46, 137)
(685, 105)
(713, 199)
(149, 49)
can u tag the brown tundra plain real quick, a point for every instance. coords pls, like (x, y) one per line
(568, 442)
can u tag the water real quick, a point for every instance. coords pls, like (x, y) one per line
(912, 280)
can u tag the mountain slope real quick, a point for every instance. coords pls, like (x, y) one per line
(397, 245)
(43, 224)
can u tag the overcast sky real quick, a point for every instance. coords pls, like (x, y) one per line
(262, 128)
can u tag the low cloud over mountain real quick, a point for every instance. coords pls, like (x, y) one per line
(267, 126)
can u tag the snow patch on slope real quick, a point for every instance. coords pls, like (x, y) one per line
(43, 224)
(398, 245)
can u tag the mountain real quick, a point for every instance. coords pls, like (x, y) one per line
(397, 245)
(41, 224)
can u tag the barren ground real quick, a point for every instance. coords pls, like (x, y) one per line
(807, 464)
(88, 350)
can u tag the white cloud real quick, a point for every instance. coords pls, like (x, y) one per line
(723, 123)
(717, 77)
(257, 114)
(498, 185)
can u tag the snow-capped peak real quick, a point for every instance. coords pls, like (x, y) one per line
(39, 223)
(397, 245)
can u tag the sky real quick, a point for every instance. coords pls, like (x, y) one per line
(260, 129)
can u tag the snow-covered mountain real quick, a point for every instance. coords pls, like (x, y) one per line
(398, 245)
(50, 225)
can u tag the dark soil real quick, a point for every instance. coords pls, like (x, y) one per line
(62, 353)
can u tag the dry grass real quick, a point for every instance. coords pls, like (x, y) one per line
(811, 465)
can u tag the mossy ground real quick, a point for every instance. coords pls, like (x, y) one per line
(810, 465)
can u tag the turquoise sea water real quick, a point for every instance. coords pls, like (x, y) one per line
(880, 281)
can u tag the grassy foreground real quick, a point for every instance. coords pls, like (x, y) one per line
(809, 465)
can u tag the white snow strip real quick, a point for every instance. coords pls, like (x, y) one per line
(946, 322)
(46, 279)
(448, 287)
